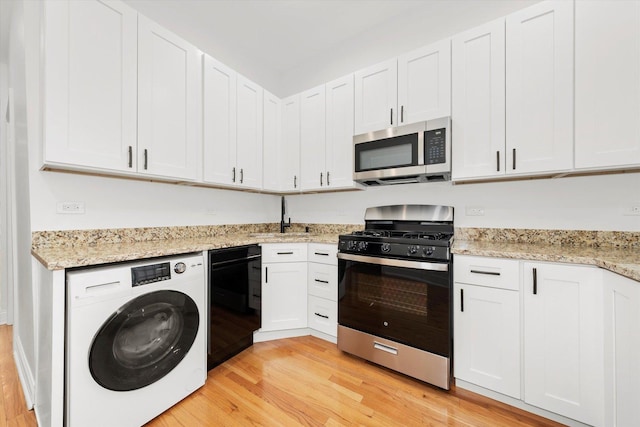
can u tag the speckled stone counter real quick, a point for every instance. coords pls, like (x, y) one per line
(58, 250)
(618, 252)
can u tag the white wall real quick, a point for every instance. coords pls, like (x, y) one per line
(576, 203)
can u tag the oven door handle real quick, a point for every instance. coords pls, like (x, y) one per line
(420, 265)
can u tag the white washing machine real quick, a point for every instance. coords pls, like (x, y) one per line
(136, 340)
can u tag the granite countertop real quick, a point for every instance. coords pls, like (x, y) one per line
(57, 258)
(621, 260)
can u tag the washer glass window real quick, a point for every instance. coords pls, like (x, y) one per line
(144, 340)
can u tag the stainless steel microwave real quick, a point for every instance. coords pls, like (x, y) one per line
(418, 152)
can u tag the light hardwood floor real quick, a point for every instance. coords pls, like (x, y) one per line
(13, 409)
(299, 381)
(307, 381)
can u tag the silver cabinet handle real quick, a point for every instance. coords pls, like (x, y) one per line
(327, 178)
(320, 179)
(402, 114)
(295, 181)
(146, 159)
(241, 176)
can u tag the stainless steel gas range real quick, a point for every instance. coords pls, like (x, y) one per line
(395, 287)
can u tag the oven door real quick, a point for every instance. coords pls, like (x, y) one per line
(404, 301)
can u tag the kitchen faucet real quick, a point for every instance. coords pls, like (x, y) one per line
(283, 224)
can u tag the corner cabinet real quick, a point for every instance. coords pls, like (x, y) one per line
(312, 139)
(607, 98)
(284, 286)
(169, 90)
(290, 154)
(271, 147)
(563, 340)
(408, 89)
(539, 88)
(621, 350)
(90, 85)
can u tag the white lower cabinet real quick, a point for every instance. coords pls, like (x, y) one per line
(323, 288)
(621, 350)
(540, 333)
(563, 347)
(284, 286)
(487, 323)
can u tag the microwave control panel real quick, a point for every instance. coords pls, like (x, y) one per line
(435, 146)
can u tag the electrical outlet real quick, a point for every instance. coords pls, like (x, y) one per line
(632, 210)
(70, 207)
(474, 211)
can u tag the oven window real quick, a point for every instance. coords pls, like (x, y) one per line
(406, 305)
(387, 153)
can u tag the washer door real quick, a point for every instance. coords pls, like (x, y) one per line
(144, 340)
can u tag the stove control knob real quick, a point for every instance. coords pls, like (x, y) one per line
(385, 247)
(428, 251)
(362, 246)
(412, 250)
(351, 245)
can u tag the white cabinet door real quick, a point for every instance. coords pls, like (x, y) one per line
(424, 83)
(290, 154)
(376, 96)
(284, 296)
(219, 127)
(539, 88)
(563, 327)
(90, 88)
(478, 102)
(607, 84)
(622, 350)
(249, 133)
(312, 139)
(487, 337)
(339, 133)
(271, 162)
(169, 91)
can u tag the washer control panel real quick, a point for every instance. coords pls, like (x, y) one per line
(146, 274)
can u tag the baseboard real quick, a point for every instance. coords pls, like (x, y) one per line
(324, 336)
(24, 373)
(518, 404)
(260, 336)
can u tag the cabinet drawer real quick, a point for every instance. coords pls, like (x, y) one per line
(323, 281)
(284, 252)
(323, 315)
(323, 253)
(484, 271)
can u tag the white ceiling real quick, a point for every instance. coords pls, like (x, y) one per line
(267, 40)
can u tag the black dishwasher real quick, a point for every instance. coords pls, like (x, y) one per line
(234, 301)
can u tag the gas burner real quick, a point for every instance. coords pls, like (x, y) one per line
(372, 233)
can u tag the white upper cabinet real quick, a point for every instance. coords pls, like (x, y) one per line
(339, 133)
(290, 148)
(169, 92)
(424, 83)
(249, 133)
(312, 138)
(90, 89)
(376, 94)
(607, 83)
(408, 89)
(271, 163)
(539, 88)
(219, 150)
(478, 102)
(232, 114)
